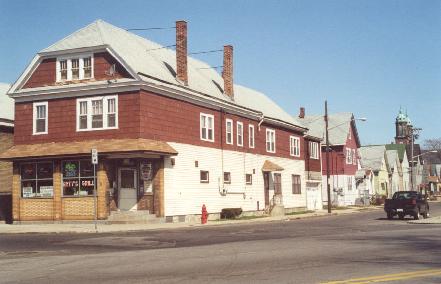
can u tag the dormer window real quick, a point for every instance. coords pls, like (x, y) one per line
(75, 68)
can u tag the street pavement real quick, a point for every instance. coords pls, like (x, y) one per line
(362, 247)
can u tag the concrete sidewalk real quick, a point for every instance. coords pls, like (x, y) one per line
(108, 228)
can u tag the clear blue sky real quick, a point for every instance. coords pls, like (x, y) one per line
(367, 57)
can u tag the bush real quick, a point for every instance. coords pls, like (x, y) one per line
(230, 213)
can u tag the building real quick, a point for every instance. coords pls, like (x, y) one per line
(6, 141)
(344, 159)
(172, 134)
(374, 157)
(404, 163)
(395, 171)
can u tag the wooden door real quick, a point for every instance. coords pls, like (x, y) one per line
(266, 187)
(277, 184)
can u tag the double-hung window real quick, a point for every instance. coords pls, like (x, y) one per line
(207, 127)
(271, 140)
(239, 133)
(40, 123)
(229, 131)
(313, 150)
(348, 156)
(296, 184)
(251, 136)
(97, 113)
(294, 146)
(354, 157)
(78, 67)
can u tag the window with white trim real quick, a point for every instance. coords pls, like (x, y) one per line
(354, 157)
(207, 127)
(251, 136)
(229, 131)
(239, 133)
(313, 150)
(271, 140)
(294, 146)
(78, 67)
(348, 156)
(40, 114)
(97, 113)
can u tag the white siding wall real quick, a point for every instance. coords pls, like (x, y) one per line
(346, 196)
(184, 193)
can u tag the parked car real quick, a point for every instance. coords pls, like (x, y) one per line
(405, 203)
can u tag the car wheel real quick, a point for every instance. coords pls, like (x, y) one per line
(417, 215)
(401, 216)
(390, 216)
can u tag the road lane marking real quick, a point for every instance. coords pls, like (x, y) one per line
(389, 277)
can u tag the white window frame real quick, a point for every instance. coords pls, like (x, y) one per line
(69, 59)
(89, 112)
(239, 133)
(268, 140)
(206, 115)
(294, 146)
(227, 122)
(251, 141)
(313, 150)
(354, 157)
(348, 156)
(34, 118)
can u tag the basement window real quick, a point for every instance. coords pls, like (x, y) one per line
(74, 68)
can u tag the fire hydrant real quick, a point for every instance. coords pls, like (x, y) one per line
(204, 215)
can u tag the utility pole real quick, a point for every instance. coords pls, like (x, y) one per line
(328, 186)
(414, 132)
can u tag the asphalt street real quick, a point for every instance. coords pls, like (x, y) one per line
(362, 247)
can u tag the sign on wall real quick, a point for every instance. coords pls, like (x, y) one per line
(46, 191)
(27, 191)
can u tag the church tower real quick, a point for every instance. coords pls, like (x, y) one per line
(403, 128)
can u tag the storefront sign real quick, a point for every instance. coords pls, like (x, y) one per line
(70, 169)
(27, 191)
(46, 191)
(146, 171)
(70, 183)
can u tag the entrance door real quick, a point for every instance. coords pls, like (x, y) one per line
(312, 197)
(266, 187)
(127, 185)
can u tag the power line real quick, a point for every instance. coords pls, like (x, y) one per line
(167, 46)
(211, 67)
(205, 51)
(149, 29)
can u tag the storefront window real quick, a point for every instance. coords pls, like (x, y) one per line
(37, 180)
(78, 178)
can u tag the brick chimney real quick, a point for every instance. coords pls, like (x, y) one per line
(181, 52)
(227, 72)
(302, 112)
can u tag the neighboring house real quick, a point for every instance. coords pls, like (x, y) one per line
(313, 168)
(374, 157)
(172, 134)
(417, 169)
(6, 141)
(404, 163)
(395, 172)
(344, 158)
(365, 184)
(432, 172)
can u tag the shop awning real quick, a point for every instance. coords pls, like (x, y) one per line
(269, 166)
(84, 147)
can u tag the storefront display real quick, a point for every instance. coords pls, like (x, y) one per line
(78, 178)
(37, 179)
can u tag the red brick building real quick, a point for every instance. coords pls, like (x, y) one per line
(172, 134)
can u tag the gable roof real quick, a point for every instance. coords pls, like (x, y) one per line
(6, 106)
(156, 64)
(400, 148)
(416, 152)
(339, 125)
(372, 157)
(392, 158)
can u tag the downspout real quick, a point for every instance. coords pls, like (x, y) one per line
(221, 185)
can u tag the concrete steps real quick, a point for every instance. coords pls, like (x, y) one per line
(133, 217)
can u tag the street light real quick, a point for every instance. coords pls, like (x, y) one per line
(328, 186)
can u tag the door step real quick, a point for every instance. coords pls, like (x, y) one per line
(133, 217)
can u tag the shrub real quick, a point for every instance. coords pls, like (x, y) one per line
(230, 213)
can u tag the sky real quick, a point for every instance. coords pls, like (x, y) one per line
(368, 57)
